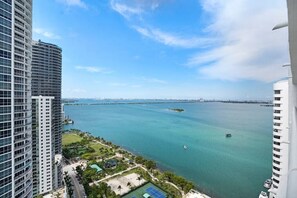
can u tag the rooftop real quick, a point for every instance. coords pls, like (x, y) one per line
(95, 166)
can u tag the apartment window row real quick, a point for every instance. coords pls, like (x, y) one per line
(5, 189)
(20, 23)
(5, 22)
(5, 62)
(5, 156)
(5, 7)
(5, 30)
(275, 180)
(275, 155)
(276, 137)
(5, 141)
(5, 86)
(5, 109)
(5, 181)
(5, 149)
(276, 124)
(276, 149)
(276, 162)
(277, 118)
(5, 14)
(5, 173)
(5, 165)
(5, 38)
(5, 78)
(277, 98)
(5, 46)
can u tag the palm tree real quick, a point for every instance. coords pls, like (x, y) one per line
(120, 188)
(139, 178)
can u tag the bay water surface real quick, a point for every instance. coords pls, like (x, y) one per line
(219, 166)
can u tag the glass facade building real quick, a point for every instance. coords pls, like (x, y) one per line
(46, 82)
(15, 98)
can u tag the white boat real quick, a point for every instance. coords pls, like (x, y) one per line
(263, 195)
(268, 183)
(185, 147)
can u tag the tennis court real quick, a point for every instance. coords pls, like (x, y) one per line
(149, 190)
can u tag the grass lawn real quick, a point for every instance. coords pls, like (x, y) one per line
(100, 150)
(68, 138)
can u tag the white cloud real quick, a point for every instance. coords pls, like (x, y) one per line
(46, 33)
(124, 9)
(135, 9)
(251, 50)
(94, 69)
(129, 8)
(172, 39)
(240, 45)
(78, 3)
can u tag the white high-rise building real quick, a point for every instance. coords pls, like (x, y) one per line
(15, 98)
(280, 154)
(284, 176)
(42, 136)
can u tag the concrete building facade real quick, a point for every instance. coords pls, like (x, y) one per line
(15, 98)
(280, 153)
(284, 185)
(42, 138)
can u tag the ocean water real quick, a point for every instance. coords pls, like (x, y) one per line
(221, 167)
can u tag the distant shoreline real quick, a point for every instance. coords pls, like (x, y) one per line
(131, 102)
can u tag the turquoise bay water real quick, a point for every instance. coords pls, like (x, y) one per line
(221, 167)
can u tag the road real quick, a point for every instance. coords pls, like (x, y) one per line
(78, 189)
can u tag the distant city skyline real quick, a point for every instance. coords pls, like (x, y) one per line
(209, 49)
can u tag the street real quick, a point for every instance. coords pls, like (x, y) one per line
(78, 189)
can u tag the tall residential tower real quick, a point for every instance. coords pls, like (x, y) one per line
(42, 138)
(15, 98)
(280, 153)
(46, 83)
(284, 172)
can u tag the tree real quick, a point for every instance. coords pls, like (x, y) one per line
(88, 174)
(139, 160)
(149, 164)
(139, 179)
(120, 188)
(129, 184)
(79, 171)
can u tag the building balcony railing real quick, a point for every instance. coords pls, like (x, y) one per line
(276, 171)
(278, 132)
(277, 152)
(276, 158)
(276, 165)
(277, 114)
(275, 181)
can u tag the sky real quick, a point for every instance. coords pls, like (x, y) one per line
(177, 49)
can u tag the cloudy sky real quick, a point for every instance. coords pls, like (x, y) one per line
(213, 49)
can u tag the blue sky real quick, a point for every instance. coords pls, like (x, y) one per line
(213, 49)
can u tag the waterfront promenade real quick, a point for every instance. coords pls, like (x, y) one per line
(116, 178)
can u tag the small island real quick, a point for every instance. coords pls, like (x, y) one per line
(176, 109)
